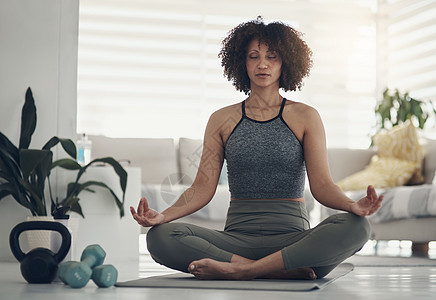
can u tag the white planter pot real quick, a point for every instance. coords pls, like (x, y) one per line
(32, 239)
(46, 238)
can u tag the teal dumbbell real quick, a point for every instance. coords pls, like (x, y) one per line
(104, 276)
(62, 270)
(77, 274)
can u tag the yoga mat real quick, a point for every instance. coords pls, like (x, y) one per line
(390, 261)
(186, 281)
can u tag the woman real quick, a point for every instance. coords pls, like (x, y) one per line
(269, 144)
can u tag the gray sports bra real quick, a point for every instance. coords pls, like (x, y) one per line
(265, 160)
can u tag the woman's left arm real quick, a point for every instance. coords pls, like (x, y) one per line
(321, 183)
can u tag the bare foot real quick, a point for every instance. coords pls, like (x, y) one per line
(238, 269)
(211, 269)
(300, 273)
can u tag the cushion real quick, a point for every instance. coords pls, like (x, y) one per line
(402, 142)
(382, 172)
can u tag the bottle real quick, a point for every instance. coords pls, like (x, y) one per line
(84, 150)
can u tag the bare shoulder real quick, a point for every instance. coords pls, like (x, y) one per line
(233, 110)
(222, 121)
(226, 116)
(301, 110)
(301, 118)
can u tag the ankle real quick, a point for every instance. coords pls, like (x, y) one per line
(240, 259)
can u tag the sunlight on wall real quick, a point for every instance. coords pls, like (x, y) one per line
(150, 69)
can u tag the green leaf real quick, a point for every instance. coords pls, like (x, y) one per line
(120, 204)
(77, 208)
(9, 148)
(74, 189)
(395, 108)
(122, 174)
(67, 145)
(66, 163)
(31, 159)
(59, 212)
(9, 166)
(36, 202)
(28, 120)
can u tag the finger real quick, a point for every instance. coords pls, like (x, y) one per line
(145, 203)
(371, 193)
(141, 207)
(132, 211)
(376, 205)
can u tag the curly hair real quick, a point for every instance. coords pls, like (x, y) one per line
(281, 38)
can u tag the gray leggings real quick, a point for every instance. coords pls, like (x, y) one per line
(257, 228)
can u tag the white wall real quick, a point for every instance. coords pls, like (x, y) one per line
(38, 48)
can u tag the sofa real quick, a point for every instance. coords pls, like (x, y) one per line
(408, 212)
(169, 166)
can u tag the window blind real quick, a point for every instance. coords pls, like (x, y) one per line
(407, 56)
(150, 68)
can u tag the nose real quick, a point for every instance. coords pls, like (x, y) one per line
(263, 64)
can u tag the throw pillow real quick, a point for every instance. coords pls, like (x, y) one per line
(382, 172)
(402, 142)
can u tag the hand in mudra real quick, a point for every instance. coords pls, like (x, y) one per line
(146, 216)
(367, 205)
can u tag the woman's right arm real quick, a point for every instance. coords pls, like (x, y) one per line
(204, 186)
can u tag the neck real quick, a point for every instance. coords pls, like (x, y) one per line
(265, 97)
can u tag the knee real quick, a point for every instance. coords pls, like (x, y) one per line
(163, 238)
(357, 227)
(157, 238)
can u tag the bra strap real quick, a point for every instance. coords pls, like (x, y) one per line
(243, 108)
(282, 107)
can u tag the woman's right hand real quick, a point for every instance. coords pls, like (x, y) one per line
(146, 216)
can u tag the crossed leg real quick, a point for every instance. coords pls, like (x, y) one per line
(201, 252)
(340, 235)
(240, 268)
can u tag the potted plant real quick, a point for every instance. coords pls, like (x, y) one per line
(25, 173)
(396, 108)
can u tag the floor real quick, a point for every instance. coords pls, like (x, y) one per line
(379, 283)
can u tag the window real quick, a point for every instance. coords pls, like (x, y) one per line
(407, 47)
(150, 68)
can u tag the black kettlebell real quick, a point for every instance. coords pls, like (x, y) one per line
(39, 265)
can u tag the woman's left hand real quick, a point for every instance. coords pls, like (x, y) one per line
(367, 205)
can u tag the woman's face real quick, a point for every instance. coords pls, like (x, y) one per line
(263, 66)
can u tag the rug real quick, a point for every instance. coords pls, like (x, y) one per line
(390, 261)
(183, 280)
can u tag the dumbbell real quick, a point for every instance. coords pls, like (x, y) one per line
(77, 274)
(104, 276)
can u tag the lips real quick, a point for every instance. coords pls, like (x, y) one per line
(263, 75)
